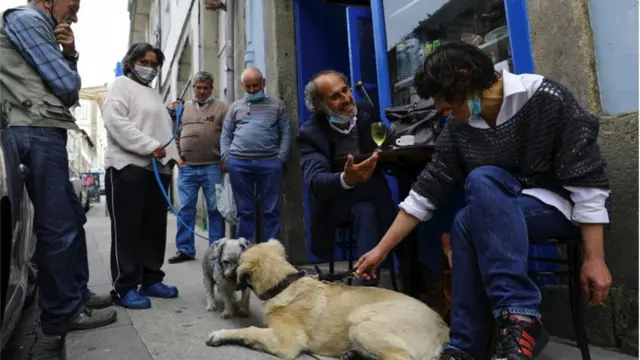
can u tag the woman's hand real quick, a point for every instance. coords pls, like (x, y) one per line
(368, 263)
(159, 153)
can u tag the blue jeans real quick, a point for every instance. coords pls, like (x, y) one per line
(61, 250)
(490, 242)
(190, 179)
(264, 179)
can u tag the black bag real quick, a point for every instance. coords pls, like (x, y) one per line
(419, 119)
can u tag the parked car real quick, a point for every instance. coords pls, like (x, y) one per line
(17, 239)
(80, 188)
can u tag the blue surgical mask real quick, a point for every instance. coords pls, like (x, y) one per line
(338, 120)
(474, 105)
(208, 100)
(255, 97)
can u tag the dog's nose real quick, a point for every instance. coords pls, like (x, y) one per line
(234, 275)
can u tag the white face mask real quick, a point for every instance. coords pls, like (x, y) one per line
(145, 74)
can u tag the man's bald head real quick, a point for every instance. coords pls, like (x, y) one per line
(252, 80)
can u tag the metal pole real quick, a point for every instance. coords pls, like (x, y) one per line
(229, 34)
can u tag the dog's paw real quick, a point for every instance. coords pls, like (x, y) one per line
(212, 308)
(226, 314)
(243, 312)
(215, 338)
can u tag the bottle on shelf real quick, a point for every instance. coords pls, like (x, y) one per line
(412, 44)
(401, 60)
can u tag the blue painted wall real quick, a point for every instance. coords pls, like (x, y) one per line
(615, 38)
(321, 43)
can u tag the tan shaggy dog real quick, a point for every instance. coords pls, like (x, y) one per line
(307, 315)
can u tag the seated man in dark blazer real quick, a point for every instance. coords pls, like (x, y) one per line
(340, 128)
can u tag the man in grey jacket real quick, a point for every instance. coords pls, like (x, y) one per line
(255, 145)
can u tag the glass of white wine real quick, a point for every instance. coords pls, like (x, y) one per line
(378, 133)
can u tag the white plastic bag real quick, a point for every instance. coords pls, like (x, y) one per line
(224, 200)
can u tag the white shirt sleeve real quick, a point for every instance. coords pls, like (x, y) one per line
(417, 206)
(589, 205)
(344, 184)
(117, 121)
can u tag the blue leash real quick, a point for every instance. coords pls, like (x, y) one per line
(156, 172)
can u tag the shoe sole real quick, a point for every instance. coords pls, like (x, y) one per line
(160, 297)
(180, 261)
(76, 327)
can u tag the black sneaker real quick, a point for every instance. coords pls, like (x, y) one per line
(99, 301)
(453, 354)
(180, 257)
(86, 320)
(517, 339)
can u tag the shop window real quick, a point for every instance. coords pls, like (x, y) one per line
(479, 22)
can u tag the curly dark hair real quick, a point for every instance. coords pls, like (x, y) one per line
(440, 74)
(136, 52)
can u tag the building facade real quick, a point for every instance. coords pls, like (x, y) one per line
(291, 39)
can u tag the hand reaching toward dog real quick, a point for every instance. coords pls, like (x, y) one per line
(368, 263)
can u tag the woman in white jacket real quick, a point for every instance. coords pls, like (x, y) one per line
(138, 125)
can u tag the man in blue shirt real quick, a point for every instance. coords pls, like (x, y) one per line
(255, 145)
(40, 82)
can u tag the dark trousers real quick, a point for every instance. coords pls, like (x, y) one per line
(264, 177)
(138, 212)
(371, 208)
(61, 250)
(490, 242)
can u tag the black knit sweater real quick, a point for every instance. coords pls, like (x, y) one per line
(549, 143)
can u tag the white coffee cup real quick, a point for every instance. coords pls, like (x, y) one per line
(406, 140)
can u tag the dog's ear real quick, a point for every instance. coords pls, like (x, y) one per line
(219, 247)
(276, 245)
(244, 244)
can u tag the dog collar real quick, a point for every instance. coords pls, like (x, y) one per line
(281, 286)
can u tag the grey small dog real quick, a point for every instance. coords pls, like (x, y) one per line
(219, 267)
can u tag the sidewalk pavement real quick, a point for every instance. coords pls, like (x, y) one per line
(177, 328)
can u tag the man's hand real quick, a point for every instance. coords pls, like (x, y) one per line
(368, 263)
(174, 104)
(64, 36)
(358, 173)
(223, 167)
(180, 162)
(596, 280)
(159, 153)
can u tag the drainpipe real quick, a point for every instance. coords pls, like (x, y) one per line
(229, 34)
(159, 41)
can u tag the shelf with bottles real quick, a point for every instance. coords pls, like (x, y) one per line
(477, 22)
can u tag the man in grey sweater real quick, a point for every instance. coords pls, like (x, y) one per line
(199, 147)
(255, 145)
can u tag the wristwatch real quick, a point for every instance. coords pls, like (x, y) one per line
(73, 56)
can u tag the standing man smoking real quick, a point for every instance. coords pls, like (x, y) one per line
(199, 148)
(255, 144)
(41, 83)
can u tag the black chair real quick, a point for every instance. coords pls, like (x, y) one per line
(573, 263)
(348, 246)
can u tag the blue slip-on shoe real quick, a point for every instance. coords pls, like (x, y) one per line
(159, 290)
(133, 300)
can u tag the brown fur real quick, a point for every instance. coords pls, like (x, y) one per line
(332, 319)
